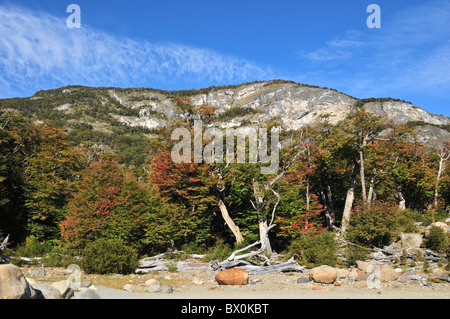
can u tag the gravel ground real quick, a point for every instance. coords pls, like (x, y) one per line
(201, 285)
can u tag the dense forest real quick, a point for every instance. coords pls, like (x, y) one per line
(364, 177)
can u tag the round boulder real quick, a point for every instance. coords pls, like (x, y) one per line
(324, 274)
(232, 276)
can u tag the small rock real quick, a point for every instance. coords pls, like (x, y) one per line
(257, 281)
(198, 281)
(337, 283)
(168, 289)
(303, 280)
(318, 287)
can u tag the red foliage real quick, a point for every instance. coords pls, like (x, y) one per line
(306, 222)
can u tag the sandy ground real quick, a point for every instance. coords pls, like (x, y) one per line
(201, 285)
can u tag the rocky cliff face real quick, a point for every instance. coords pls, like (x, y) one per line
(293, 104)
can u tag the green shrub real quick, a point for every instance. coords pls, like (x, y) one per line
(59, 257)
(315, 250)
(32, 247)
(354, 253)
(372, 225)
(171, 266)
(437, 239)
(405, 219)
(220, 251)
(106, 256)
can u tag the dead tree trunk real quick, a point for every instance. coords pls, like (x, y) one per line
(362, 176)
(349, 199)
(5, 243)
(372, 186)
(400, 198)
(233, 227)
(327, 199)
(442, 158)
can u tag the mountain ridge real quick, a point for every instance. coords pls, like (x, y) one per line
(293, 105)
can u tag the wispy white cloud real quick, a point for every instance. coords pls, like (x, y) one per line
(410, 53)
(37, 51)
(338, 49)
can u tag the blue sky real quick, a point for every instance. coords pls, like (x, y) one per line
(194, 44)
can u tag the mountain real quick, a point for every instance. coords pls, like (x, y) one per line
(295, 105)
(95, 115)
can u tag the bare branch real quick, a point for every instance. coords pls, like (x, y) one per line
(274, 207)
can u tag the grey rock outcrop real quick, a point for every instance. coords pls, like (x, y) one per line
(294, 105)
(13, 284)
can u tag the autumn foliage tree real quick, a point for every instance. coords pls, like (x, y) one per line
(51, 170)
(38, 169)
(188, 185)
(109, 203)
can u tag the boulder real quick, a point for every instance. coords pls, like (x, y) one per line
(152, 282)
(365, 266)
(342, 273)
(87, 294)
(232, 276)
(64, 288)
(413, 241)
(45, 291)
(324, 274)
(135, 288)
(13, 284)
(362, 276)
(387, 273)
(152, 285)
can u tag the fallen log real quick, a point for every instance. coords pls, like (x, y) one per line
(253, 269)
(215, 265)
(146, 266)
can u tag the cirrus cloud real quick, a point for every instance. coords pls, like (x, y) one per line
(38, 51)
